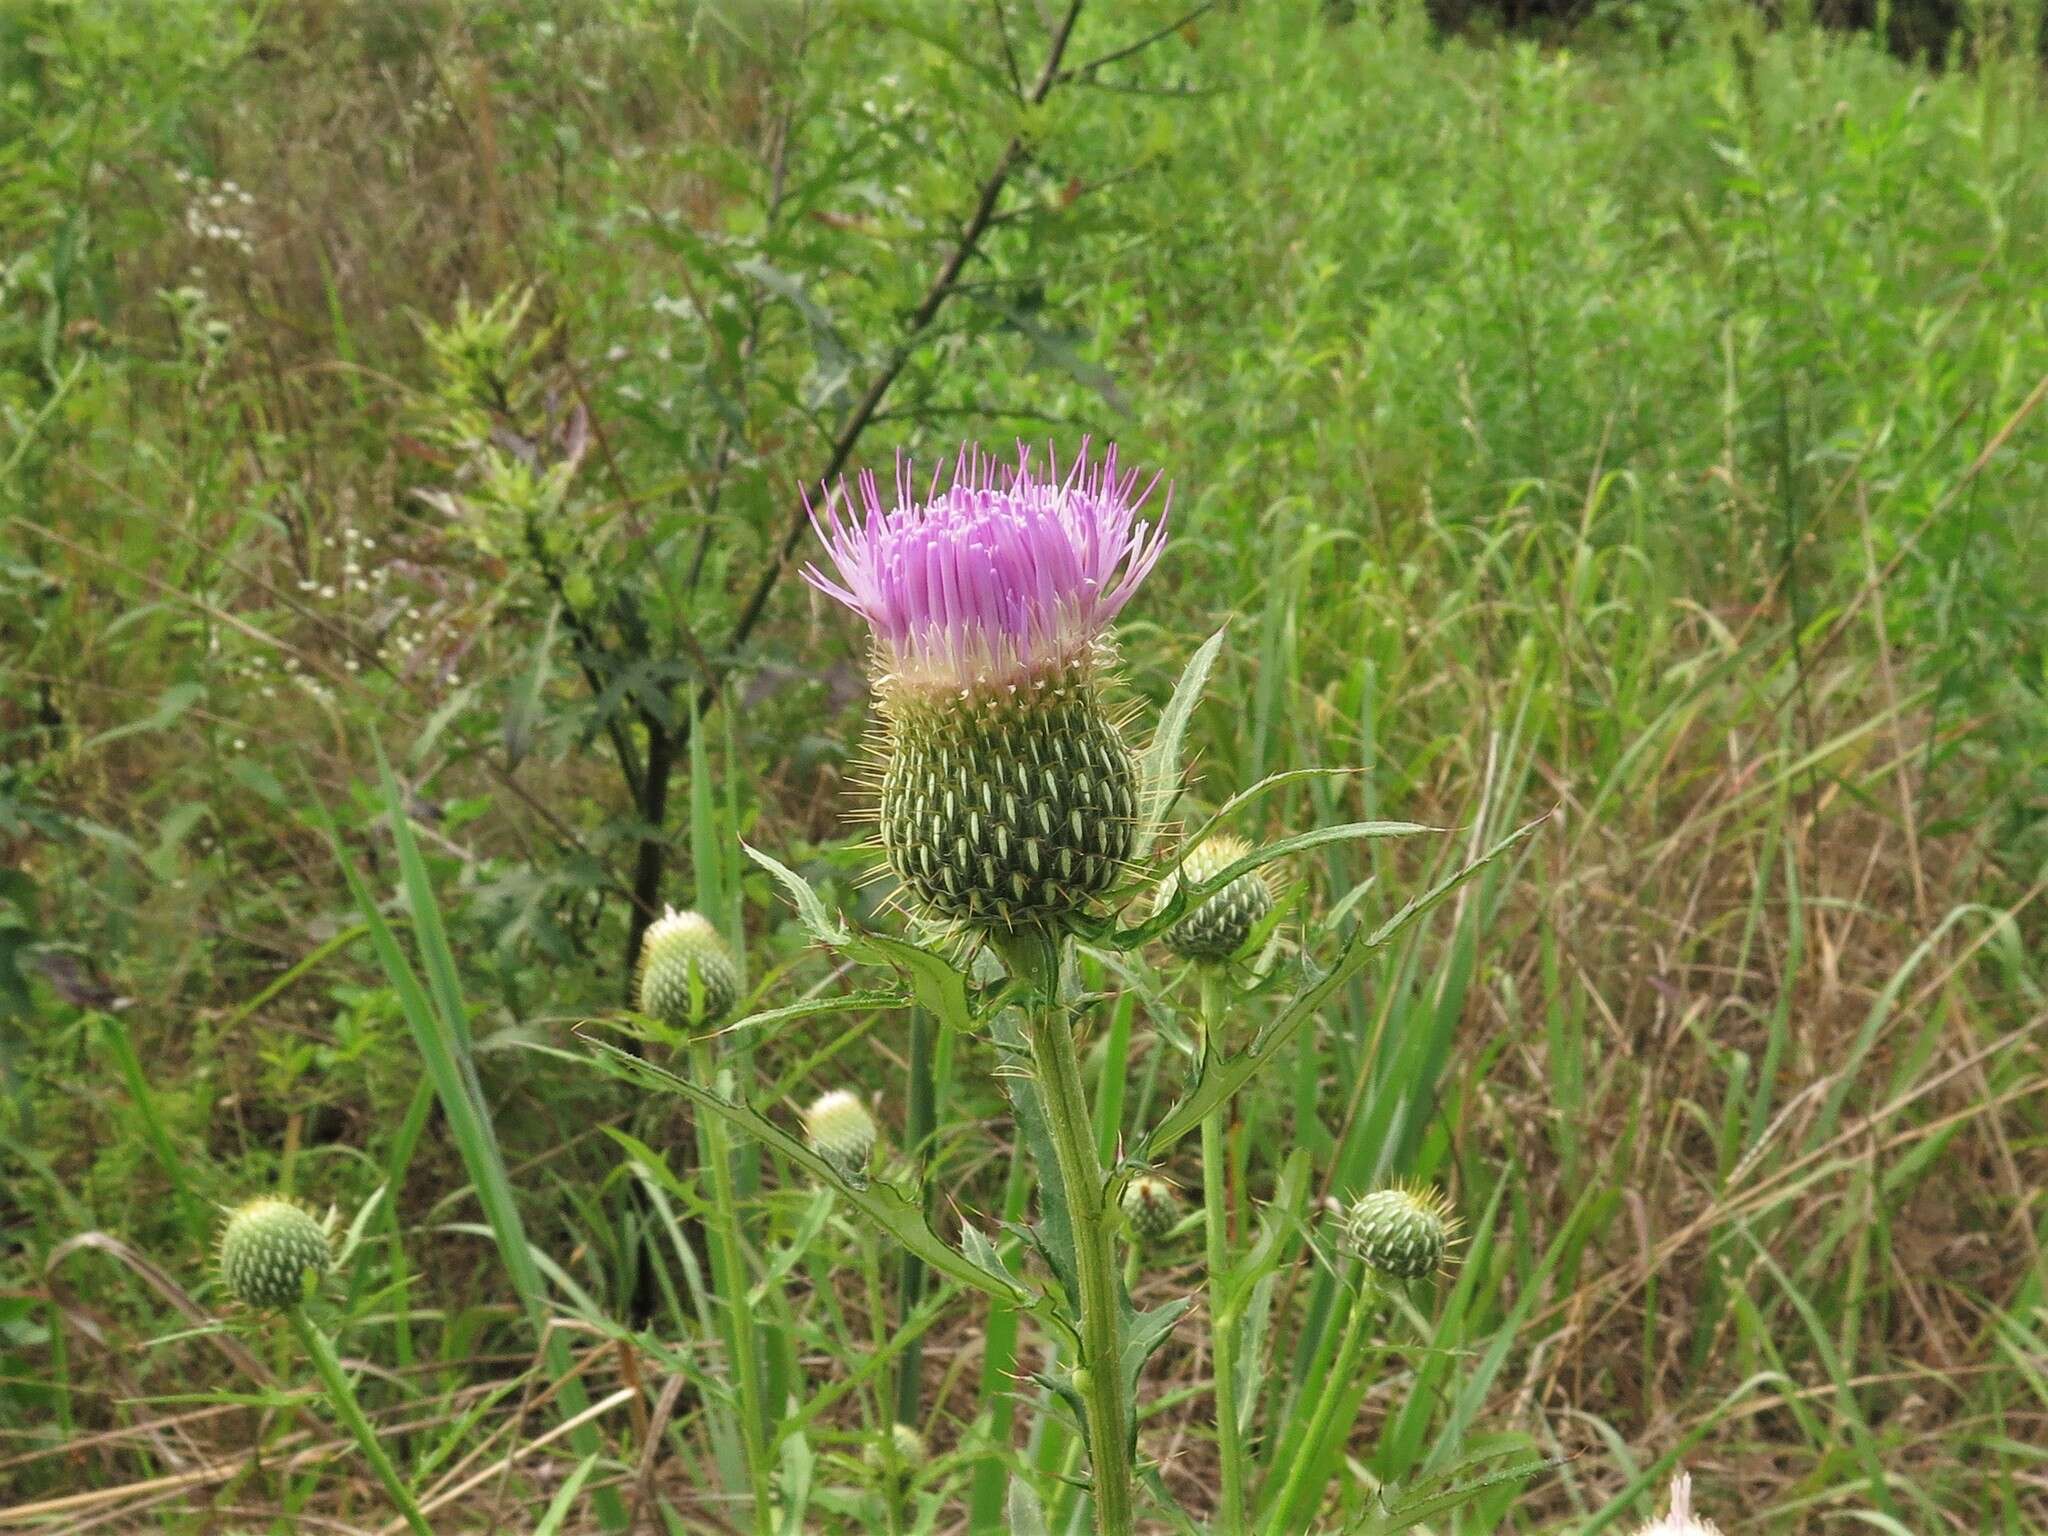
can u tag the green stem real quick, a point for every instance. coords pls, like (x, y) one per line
(1309, 1455)
(730, 1281)
(343, 1397)
(1099, 1376)
(920, 1122)
(1222, 1312)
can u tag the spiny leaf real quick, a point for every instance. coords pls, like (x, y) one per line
(1159, 763)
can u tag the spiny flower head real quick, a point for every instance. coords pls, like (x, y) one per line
(1001, 575)
(1151, 1207)
(1218, 927)
(1681, 1521)
(1402, 1232)
(268, 1249)
(1007, 796)
(688, 973)
(842, 1130)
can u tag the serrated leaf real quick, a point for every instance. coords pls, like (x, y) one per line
(810, 907)
(1159, 763)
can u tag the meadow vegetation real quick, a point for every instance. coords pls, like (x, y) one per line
(1638, 433)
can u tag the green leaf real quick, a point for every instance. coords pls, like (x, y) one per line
(824, 927)
(1159, 763)
(1025, 1515)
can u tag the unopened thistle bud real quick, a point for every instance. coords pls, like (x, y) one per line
(273, 1253)
(1401, 1233)
(1151, 1207)
(688, 975)
(907, 1452)
(1680, 1521)
(1008, 797)
(1217, 928)
(839, 1126)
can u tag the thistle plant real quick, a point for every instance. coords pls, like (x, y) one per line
(273, 1256)
(1008, 799)
(1393, 1236)
(1019, 823)
(1212, 932)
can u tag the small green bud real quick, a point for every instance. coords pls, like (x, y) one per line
(1151, 1207)
(1402, 1233)
(1217, 928)
(268, 1249)
(843, 1132)
(907, 1452)
(688, 975)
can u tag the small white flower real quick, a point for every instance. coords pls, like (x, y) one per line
(1680, 1520)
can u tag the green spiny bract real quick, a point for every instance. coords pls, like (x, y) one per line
(688, 975)
(268, 1248)
(843, 1132)
(1151, 1207)
(1402, 1233)
(1010, 807)
(1217, 928)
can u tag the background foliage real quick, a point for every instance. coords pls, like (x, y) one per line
(1643, 425)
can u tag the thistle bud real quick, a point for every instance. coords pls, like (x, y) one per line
(1151, 1207)
(1217, 928)
(1681, 1521)
(1401, 1233)
(906, 1454)
(839, 1126)
(273, 1252)
(1008, 798)
(688, 975)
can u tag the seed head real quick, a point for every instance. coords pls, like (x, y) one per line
(688, 975)
(1151, 1207)
(1681, 1521)
(273, 1252)
(1402, 1233)
(842, 1130)
(1216, 929)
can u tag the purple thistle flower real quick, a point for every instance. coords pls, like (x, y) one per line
(1002, 575)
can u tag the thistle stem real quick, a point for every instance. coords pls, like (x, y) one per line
(730, 1281)
(1099, 1377)
(1350, 1354)
(1222, 1311)
(343, 1397)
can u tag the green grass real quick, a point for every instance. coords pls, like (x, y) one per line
(1648, 437)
